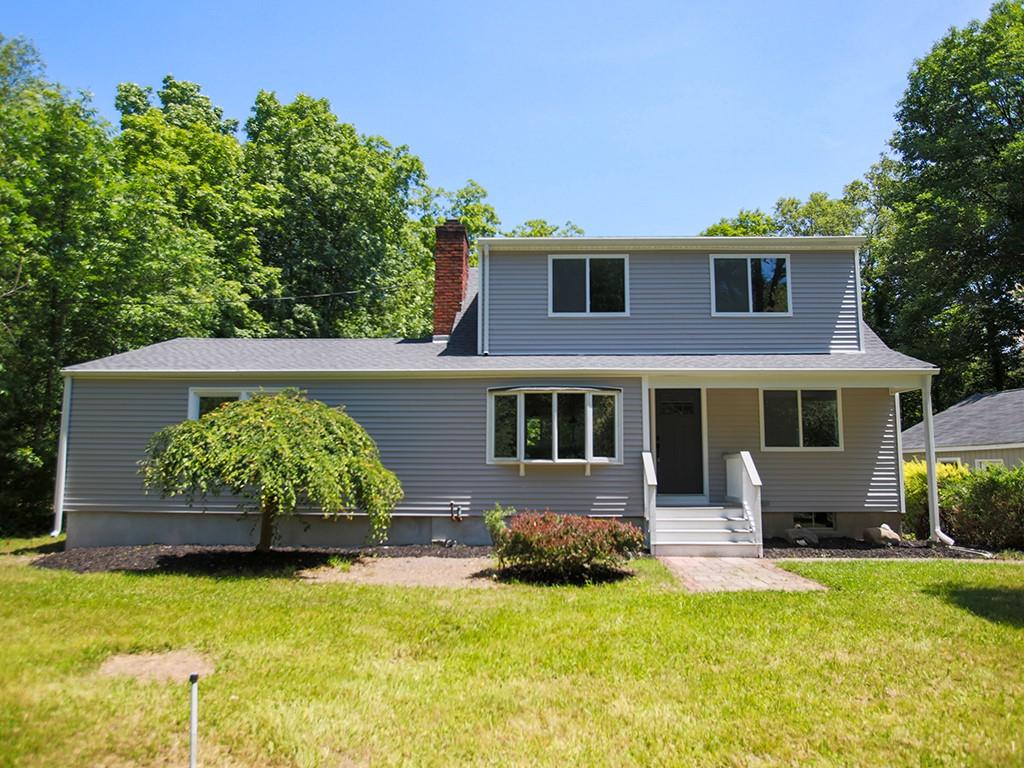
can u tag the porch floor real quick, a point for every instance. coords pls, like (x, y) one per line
(736, 574)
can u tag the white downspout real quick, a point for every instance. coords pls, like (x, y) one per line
(929, 454)
(62, 460)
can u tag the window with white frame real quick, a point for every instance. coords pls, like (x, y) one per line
(203, 400)
(797, 419)
(986, 463)
(588, 285)
(570, 425)
(750, 285)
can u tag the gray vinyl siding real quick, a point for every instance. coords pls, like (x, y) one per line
(863, 477)
(1011, 457)
(431, 432)
(670, 310)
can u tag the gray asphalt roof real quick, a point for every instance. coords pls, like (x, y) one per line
(991, 418)
(188, 355)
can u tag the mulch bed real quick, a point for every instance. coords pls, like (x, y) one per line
(840, 548)
(230, 561)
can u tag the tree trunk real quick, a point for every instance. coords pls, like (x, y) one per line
(266, 528)
(995, 356)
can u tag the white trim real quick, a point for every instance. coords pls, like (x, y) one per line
(948, 460)
(963, 448)
(860, 300)
(588, 437)
(712, 257)
(552, 257)
(986, 463)
(899, 451)
(700, 243)
(704, 439)
(645, 412)
(244, 393)
(455, 373)
(800, 420)
(483, 306)
(62, 459)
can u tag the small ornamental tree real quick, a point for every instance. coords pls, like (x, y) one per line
(278, 451)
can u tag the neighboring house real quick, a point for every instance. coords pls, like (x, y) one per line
(979, 431)
(712, 390)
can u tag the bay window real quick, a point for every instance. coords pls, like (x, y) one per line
(556, 425)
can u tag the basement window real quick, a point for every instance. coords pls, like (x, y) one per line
(576, 425)
(814, 520)
(588, 285)
(750, 285)
(801, 419)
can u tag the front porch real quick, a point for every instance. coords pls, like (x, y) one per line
(728, 463)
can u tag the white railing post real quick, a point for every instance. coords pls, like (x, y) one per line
(650, 495)
(743, 485)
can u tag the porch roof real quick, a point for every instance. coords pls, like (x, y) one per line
(394, 356)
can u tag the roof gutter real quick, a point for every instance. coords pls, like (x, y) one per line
(534, 244)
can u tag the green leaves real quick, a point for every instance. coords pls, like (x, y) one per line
(279, 451)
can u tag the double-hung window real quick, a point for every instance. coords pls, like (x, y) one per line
(556, 425)
(203, 400)
(795, 419)
(750, 285)
(588, 285)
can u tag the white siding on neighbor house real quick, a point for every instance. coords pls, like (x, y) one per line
(670, 310)
(431, 432)
(1011, 457)
(863, 477)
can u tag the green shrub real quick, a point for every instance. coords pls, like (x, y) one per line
(915, 488)
(568, 548)
(494, 521)
(978, 509)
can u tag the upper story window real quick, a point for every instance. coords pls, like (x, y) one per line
(588, 285)
(796, 419)
(203, 400)
(573, 425)
(750, 285)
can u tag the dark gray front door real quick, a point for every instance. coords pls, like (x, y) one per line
(678, 445)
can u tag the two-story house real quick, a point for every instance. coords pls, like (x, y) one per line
(715, 391)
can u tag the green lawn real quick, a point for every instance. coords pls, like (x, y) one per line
(898, 663)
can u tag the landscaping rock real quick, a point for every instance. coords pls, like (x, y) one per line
(882, 535)
(802, 537)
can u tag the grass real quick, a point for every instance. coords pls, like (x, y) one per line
(899, 663)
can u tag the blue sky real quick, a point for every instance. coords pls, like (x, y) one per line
(628, 118)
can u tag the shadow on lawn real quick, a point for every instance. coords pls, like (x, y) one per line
(40, 549)
(1003, 605)
(546, 578)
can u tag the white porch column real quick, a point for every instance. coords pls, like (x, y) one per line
(929, 457)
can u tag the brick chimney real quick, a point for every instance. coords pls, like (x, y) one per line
(451, 271)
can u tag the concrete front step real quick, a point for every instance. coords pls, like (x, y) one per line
(707, 549)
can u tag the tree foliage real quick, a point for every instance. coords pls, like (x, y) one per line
(543, 228)
(949, 260)
(278, 452)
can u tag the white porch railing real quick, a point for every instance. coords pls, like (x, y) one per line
(743, 486)
(650, 493)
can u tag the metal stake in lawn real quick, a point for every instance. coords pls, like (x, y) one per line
(193, 741)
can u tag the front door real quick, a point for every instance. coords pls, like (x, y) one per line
(678, 443)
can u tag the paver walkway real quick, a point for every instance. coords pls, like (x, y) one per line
(736, 574)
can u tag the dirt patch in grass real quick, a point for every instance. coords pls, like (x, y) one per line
(234, 561)
(841, 547)
(422, 571)
(166, 667)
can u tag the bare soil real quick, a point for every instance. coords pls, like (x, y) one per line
(166, 667)
(234, 561)
(422, 571)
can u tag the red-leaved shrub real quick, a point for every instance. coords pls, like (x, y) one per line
(565, 547)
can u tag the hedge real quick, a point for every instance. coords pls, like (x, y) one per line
(982, 509)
